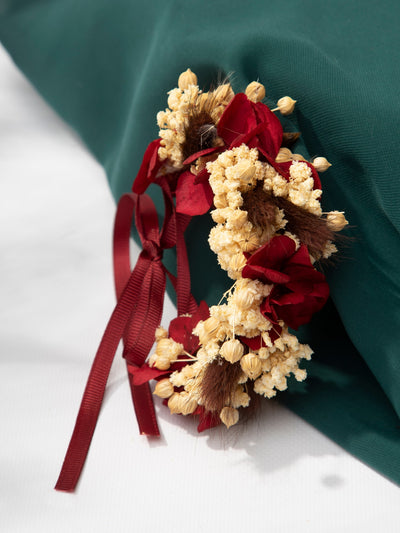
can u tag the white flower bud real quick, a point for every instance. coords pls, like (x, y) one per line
(229, 416)
(220, 201)
(162, 363)
(251, 365)
(223, 94)
(168, 348)
(161, 333)
(232, 350)
(189, 404)
(244, 171)
(164, 388)
(244, 297)
(300, 374)
(237, 262)
(209, 330)
(286, 105)
(240, 398)
(284, 155)
(175, 403)
(186, 79)
(297, 157)
(336, 220)
(321, 164)
(255, 91)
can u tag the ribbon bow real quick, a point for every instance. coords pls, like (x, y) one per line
(137, 314)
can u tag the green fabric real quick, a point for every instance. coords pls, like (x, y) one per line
(106, 66)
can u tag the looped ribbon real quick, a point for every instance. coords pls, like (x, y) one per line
(137, 314)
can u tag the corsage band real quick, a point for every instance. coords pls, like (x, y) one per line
(227, 153)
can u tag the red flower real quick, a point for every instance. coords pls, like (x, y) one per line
(243, 121)
(299, 289)
(192, 197)
(251, 123)
(180, 329)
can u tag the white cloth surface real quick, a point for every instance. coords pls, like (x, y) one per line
(275, 474)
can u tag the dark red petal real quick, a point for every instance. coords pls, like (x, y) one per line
(145, 373)
(148, 169)
(207, 151)
(271, 137)
(302, 257)
(180, 328)
(203, 175)
(208, 419)
(250, 137)
(254, 343)
(202, 313)
(237, 119)
(274, 333)
(273, 253)
(192, 199)
(266, 275)
(268, 310)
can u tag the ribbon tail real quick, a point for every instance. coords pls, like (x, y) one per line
(143, 404)
(139, 339)
(94, 391)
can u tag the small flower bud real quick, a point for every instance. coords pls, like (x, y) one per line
(164, 388)
(189, 404)
(220, 201)
(229, 416)
(161, 333)
(255, 91)
(210, 329)
(240, 398)
(223, 94)
(169, 348)
(300, 374)
(321, 164)
(175, 403)
(298, 157)
(237, 262)
(162, 363)
(244, 298)
(336, 220)
(250, 243)
(232, 350)
(251, 365)
(284, 155)
(244, 171)
(286, 105)
(186, 79)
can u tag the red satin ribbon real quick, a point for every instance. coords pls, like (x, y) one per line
(140, 297)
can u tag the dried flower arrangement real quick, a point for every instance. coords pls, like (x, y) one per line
(226, 153)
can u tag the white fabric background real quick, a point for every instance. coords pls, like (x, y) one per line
(277, 474)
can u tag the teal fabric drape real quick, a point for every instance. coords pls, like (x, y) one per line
(106, 67)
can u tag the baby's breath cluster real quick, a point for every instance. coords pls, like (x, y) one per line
(237, 178)
(278, 362)
(268, 367)
(174, 121)
(232, 174)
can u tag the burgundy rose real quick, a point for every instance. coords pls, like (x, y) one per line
(254, 124)
(299, 289)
